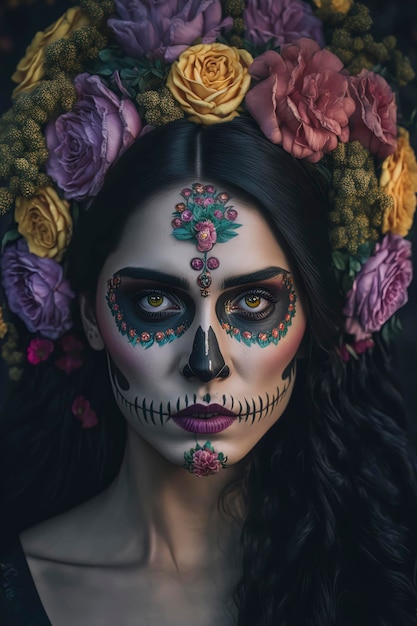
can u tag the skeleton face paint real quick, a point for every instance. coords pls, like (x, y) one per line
(191, 375)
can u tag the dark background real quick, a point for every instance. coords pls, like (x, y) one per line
(21, 19)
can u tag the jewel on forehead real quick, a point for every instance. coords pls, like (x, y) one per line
(204, 219)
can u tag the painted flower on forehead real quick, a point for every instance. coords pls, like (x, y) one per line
(379, 288)
(374, 121)
(302, 99)
(206, 235)
(84, 142)
(208, 221)
(164, 30)
(281, 21)
(37, 291)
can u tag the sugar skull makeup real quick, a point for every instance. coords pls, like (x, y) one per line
(201, 379)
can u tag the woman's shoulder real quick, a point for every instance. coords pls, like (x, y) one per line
(82, 536)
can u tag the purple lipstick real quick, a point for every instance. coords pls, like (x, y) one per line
(207, 419)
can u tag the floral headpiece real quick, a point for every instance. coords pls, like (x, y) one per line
(309, 73)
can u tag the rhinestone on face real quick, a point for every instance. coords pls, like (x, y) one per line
(197, 264)
(213, 263)
(204, 280)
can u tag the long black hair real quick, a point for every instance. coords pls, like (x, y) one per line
(330, 533)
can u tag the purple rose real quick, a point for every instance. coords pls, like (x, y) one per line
(83, 143)
(283, 21)
(165, 29)
(36, 291)
(379, 288)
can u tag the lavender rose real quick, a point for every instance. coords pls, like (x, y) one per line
(36, 290)
(302, 100)
(83, 143)
(283, 22)
(374, 122)
(165, 29)
(380, 288)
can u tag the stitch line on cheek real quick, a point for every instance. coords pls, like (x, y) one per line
(264, 339)
(204, 219)
(146, 338)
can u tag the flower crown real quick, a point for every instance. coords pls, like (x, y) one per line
(310, 74)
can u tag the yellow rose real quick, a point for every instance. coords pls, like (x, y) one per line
(334, 6)
(3, 325)
(399, 181)
(30, 69)
(45, 222)
(210, 81)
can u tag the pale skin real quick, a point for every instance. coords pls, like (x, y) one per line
(153, 548)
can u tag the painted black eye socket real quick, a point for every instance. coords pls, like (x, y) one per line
(256, 304)
(156, 304)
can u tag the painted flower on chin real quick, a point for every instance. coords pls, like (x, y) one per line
(302, 99)
(84, 142)
(165, 29)
(36, 291)
(374, 121)
(379, 288)
(282, 22)
(204, 460)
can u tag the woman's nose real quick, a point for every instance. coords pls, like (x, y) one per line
(206, 362)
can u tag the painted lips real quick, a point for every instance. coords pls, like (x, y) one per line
(204, 419)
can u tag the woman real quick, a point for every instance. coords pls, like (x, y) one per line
(213, 439)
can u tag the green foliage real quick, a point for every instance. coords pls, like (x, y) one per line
(137, 75)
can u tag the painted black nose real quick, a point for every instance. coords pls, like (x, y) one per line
(206, 361)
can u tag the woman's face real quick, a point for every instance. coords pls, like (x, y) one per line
(201, 321)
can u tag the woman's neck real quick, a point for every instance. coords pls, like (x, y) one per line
(175, 513)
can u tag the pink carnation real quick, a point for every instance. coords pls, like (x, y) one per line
(302, 100)
(39, 350)
(374, 122)
(379, 288)
(205, 462)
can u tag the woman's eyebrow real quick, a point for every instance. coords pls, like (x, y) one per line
(148, 274)
(253, 277)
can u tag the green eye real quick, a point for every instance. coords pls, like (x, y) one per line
(155, 300)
